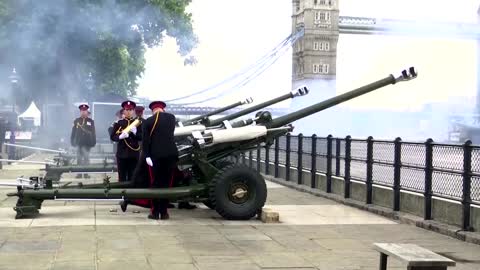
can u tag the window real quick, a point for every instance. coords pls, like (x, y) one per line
(315, 2)
(322, 2)
(322, 16)
(323, 68)
(320, 68)
(321, 46)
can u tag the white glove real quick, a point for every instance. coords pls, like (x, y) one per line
(123, 135)
(149, 161)
(134, 130)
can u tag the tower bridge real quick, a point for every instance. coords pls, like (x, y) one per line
(314, 54)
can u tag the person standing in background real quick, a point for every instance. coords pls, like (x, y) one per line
(83, 137)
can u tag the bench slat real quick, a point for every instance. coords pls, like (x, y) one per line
(413, 255)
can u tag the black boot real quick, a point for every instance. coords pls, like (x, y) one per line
(154, 216)
(165, 216)
(186, 205)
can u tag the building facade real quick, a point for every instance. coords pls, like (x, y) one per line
(315, 54)
(314, 60)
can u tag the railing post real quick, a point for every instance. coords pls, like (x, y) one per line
(467, 184)
(250, 159)
(259, 149)
(329, 163)
(267, 159)
(287, 158)
(428, 179)
(369, 180)
(243, 158)
(348, 159)
(397, 165)
(277, 150)
(337, 156)
(300, 160)
(313, 168)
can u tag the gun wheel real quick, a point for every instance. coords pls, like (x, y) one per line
(238, 192)
(220, 165)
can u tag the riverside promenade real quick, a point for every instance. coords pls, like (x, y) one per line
(314, 233)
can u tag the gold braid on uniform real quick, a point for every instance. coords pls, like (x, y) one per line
(81, 126)
(125, 140)
(154, 124)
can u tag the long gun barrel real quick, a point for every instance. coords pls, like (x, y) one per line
(291, 117)
(296, 93)
(34, 148)
(201, 118)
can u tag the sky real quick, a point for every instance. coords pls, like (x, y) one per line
(235, 34)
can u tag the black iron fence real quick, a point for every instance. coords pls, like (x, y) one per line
(450, 171)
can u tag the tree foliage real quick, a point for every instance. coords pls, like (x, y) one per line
(55, 44)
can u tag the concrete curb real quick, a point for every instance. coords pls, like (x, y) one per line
(435, 226)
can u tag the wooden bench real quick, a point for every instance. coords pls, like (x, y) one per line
(415, 257)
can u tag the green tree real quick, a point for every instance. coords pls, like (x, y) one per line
(55, 44)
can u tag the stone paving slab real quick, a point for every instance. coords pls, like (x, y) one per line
(314, 233)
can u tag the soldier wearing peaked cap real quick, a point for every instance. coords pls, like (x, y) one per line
(139, 113)
(83, 136)
(119, 116)
(161, 153)
(128, 147)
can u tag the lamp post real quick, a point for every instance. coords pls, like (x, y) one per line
(14, 82)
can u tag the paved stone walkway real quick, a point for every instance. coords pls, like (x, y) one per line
(314, 233)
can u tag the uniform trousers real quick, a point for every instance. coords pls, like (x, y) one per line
(83, 154)
(83, 157)
(126, 167)
(161, 176)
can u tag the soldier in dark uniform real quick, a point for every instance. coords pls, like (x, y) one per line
(141, 176)
(128, 148)
(119, 115)
(161, 153)
(83, 136)
(139, 113)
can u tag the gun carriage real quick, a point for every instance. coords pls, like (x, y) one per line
(235, 191)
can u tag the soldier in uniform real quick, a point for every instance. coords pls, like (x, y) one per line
(161, 154)
(119, 115)
(128, 147)
(83, 136)
(139, 113)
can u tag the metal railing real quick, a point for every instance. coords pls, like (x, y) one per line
(450, 171)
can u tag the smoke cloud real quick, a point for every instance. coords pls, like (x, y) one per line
(55, 44)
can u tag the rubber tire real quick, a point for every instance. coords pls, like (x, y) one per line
(220, 185)
(220, 165)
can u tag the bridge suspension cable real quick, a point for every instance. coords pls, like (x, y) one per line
(255, 70)
(240, 84)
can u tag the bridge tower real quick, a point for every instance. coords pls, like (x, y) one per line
(314, 55)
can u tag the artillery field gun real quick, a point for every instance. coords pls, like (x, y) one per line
(235, 191)
(203, 118)
(182, 131)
